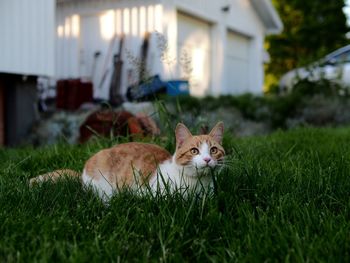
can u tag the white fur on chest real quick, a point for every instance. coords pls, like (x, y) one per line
(168, 178)
(173, 177)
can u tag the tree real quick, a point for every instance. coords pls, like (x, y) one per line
(312, 28)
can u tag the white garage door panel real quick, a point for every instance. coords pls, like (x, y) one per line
(237, 76)
(193, 31)
(237, 63)
(194, 40)
(237, 45)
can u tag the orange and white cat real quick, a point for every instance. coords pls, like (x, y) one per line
(141, 166)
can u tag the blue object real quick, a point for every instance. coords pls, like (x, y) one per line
(177, 87)
(153, 86)
(147, 89)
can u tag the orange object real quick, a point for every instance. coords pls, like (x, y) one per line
(106, 123)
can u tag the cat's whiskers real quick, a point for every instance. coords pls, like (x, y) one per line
(225, 162)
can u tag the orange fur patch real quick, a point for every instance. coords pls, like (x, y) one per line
(119, 164)
(53, 176)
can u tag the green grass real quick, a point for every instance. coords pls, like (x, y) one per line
(282, 198)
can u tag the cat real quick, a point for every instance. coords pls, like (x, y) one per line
(141, 166)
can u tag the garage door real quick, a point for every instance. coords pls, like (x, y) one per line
(237, 63)
(194, 40)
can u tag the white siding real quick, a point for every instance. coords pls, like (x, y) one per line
(95, 31)
(27, 30)
(241, 17)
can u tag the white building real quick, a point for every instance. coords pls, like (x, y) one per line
(220, 43)
(27, 50)
(27, 30)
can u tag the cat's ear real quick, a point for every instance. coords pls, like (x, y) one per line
(181, 134)
(218, 132)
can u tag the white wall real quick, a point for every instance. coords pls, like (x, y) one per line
(27, 30)
(131, 17)
(241, 19)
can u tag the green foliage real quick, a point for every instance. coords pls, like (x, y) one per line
(276, 109)
(284, 197)
(309, 88)
(248, 104)
(311, 30)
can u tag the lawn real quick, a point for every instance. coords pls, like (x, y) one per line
(283, 197)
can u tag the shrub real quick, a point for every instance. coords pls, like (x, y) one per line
(316, 103)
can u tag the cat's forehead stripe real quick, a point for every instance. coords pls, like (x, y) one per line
(200, 139)
(204, 148)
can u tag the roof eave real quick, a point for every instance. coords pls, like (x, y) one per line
(268, 15)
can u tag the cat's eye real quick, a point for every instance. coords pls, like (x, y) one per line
(194, 151)
(213, 150)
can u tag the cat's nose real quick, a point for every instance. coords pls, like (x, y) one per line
(207, 159)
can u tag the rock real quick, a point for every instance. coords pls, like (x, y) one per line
(134, 108)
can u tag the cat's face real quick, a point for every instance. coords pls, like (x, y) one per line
(201, 151)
